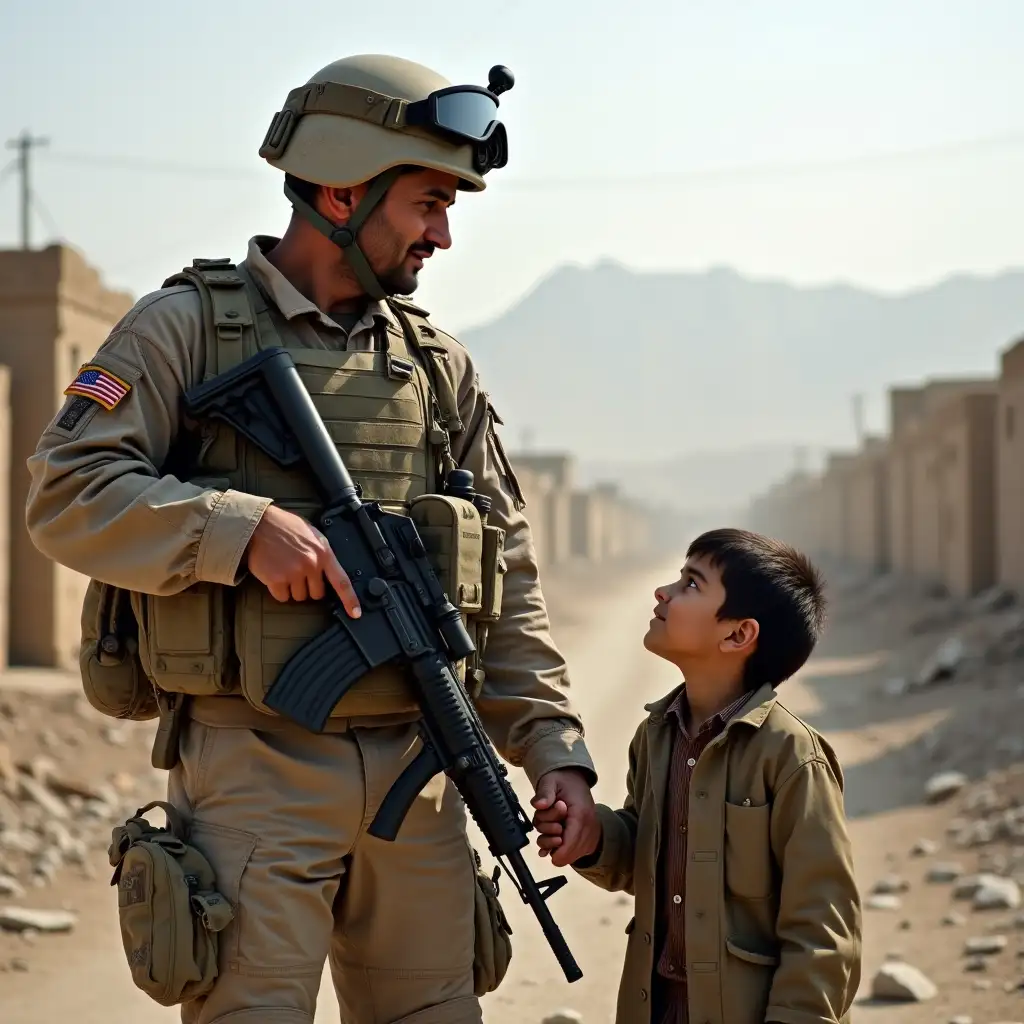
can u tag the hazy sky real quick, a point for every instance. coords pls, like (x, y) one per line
(618, 110)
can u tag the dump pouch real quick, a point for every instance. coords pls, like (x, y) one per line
(492, 950)
(113, 676)
(168, 907)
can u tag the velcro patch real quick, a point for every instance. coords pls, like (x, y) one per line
(100, 385)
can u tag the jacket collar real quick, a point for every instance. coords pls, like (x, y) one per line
(753, 713)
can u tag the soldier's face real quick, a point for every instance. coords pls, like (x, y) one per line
(407, 227)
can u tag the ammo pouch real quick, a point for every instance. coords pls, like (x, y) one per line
(113, 678)
(493, 946)
(167, 906)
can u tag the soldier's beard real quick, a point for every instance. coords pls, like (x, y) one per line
(385, 249)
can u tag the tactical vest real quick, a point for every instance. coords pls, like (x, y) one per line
(390, 413)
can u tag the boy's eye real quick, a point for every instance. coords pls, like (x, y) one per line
(691, 582)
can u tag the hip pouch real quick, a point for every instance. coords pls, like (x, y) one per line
(492, 950)
(168, 907)
(113, 677)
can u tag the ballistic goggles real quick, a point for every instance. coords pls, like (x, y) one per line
(459, 114)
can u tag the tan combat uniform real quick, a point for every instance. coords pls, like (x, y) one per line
(280, 812)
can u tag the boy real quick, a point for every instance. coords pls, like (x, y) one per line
(732, 838)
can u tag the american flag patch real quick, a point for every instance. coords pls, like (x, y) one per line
(100, 385)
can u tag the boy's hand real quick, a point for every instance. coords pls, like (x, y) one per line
(565, 816)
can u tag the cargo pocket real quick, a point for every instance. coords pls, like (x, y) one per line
(184, 639)
(746, 983)
(748, 856)
(229, 851)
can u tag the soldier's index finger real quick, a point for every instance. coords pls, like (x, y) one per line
(338, 579)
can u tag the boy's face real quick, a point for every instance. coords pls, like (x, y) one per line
(686, 624)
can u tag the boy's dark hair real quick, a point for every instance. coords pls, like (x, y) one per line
(775, 584)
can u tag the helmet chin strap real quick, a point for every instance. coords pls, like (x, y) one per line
(344, 236)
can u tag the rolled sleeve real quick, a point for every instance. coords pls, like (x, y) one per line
(232, 522)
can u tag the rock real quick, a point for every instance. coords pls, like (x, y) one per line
(896, 981)
(968, 885)
(890, 884)
(944, 785)
(924, 848)
(985, 945)
(37, 792)
(981, 800)
(11, 887)
(943, 872)
(982, 985)
(563, 1017)
(896, 687)
(883, 901)
(943, 663)
(1018, 922)
(997, 894)
(976, 963)
(961, 1019)
(67, 788)
(20, 919)
(8, 771)
(17, 964)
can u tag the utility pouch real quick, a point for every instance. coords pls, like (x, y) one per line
(113, 677)
(168, 907)
(184, 640)
(453, 535)
(492, 951)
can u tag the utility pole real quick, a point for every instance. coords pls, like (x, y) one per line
(24, 145)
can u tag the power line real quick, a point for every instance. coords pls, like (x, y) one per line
(45, 216)
(24, 144)
(721, 173)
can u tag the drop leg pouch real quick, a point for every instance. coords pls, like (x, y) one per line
(169, 909)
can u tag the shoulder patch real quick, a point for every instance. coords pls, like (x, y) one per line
(74, 411)
(98, 384)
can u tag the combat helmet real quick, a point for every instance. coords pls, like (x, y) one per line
(365, 117)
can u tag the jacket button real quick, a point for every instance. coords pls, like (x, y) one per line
(647, 938)
(643, 995)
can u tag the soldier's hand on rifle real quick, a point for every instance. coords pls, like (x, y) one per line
(565, 816)
(290, 557)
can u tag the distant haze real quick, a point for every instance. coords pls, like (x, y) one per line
(710, 382)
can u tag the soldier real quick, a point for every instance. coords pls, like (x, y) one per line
(225, 572)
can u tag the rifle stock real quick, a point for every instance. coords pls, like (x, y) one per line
(406, 618)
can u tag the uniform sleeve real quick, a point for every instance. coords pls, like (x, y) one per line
(819, 920)
(98, 500)
(612, 865)
(525, 703)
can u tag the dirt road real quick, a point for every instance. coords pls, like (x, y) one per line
(82, 976)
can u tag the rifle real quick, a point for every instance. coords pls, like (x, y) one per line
(406, 618)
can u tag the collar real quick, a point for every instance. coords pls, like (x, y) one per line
(292, 303)
(753, 712)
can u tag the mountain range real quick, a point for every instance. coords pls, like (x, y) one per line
(701, 386)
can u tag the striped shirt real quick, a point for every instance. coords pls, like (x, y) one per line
(670, 968)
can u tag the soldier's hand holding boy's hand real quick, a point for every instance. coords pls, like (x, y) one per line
(549, 818)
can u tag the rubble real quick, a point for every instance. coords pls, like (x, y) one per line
(942, 664)
(564, 1017)
(23, 919)
(896, 981)
(997, 894)
(944, 785)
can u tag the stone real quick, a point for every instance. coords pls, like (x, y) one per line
(896, 981)
(944, 785)
(10, 886)
(890, 884)
(883, 901)
(20, 919)
(984, 945)
(968, 885)
(997, 894)
(563, 1017)
(943, 872)
(976, 963)
(982, 985)
(17, 964)
(961, 1019)
(943, 662)
(924, 848)
(77, 788)
(896, 687)
(50, 803)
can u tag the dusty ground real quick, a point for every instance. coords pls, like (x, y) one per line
(890, 742)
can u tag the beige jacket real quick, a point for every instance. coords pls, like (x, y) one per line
(773, 915)
(99, 504)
